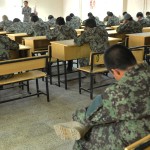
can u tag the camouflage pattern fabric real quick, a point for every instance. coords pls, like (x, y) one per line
(5, 45)
(97, 38)
(40, 28)
(20, 27)
(51, 22)
(124, 117)
(130, 27)
(62, 32)
(113, 21)
(144, 22)
(5, 24)
(26, 11)
(148, 17)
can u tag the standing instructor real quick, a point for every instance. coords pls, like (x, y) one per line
(26, 11)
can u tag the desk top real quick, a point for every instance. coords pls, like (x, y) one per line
(23, 47)
(144, 34)
(112, 32)
(71, 42)
(3, 32)
(35, 38)
(17, 34)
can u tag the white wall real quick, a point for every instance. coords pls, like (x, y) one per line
(13, 9)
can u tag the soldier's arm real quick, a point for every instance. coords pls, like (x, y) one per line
(122, 28)
(80, 40)
(51, 34)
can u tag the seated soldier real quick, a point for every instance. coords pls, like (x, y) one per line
(112, 20)
(121, 115)
(62, 32)
(143, 21)
(19, 27)
(39, 27)
(6, 45)
(5, 23)
(148, 15)
(75, 21)
(96, 36)
(51, 21)
(129, 25)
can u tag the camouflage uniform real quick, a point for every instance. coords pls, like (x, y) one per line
(20, 27)
(26, 11)
(62, 32)
(5, 45)
(148, 17)
(144, 22)
(76, 22)
(113, 21)
(97, 38)
(124, 116)
(51, 22)
(39, 28)
(5, 24)
(130, 27)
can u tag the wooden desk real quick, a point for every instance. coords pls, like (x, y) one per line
(113, 33)
(139, 39)
(146, 29)
(114, 27)
(109, 28)
(79, 31)
(18, 37)
(24, 51)
(36, 43)
(68, 50)
(3, 32)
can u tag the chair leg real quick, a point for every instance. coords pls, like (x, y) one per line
(79, 82)
(28, 88)
(37, 87)
(50, 71)
(91, 86)
(47, 88)
(58, 72)
(65, 75)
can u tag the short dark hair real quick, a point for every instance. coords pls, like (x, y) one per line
(139, 14)
(71, 15)
(90, 23)
(50, 16)
(124, 13)
(110, 14)
(60, 21)
(118, 57)
(34, 18)
(147, 13)
(32, 14)
(26, 2)
(68, 18)
(90, 14)
(16, 20)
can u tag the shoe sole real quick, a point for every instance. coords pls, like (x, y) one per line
(66, 133)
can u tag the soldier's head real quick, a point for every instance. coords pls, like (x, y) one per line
(118, 59)
(90, 23)
(50, 17)
(4, 18)
(25, 3)
(34, 18)
(127, 18)
(147, 13)
(60, 21)
(16, 20)
(124, 13)
(110, 14)
(32, 14)
(71, 15)
(68, 18)
(139, 15)
(90, 14)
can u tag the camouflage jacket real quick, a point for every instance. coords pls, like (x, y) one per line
(130, 27)
(97, 37)
(51, 22)
(113, 21)
(5, 24)
(124, 116)
(5, 45)
(20, 27)
(148, 17)
(62, 32)
(26, 11)
(40, 28)
(144, 22)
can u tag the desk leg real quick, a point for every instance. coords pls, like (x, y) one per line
(58, 72)
(65, 75)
